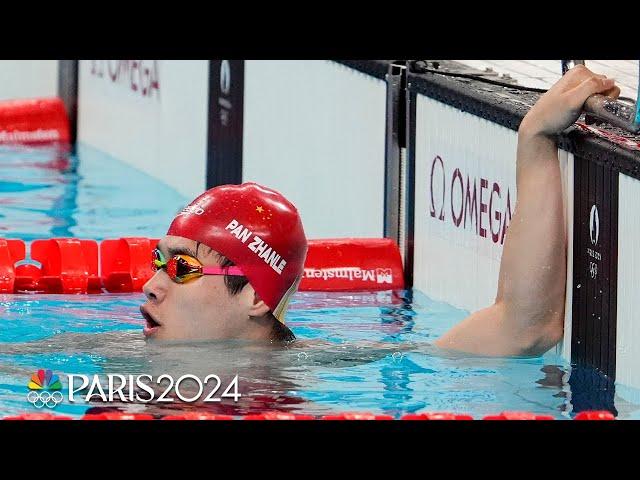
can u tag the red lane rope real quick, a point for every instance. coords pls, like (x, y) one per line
(33, 121)
(72, 265)
(506, 415)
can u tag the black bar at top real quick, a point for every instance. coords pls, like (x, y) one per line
(225, 122)
(507, 107)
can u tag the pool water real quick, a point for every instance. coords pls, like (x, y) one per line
(355, 351)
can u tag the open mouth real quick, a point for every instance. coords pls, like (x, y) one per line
(151, 324)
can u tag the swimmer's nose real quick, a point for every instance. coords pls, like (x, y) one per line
(154, 289)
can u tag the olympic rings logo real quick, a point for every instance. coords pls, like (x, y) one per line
(40, 399)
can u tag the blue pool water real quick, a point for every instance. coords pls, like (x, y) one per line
(356, 352)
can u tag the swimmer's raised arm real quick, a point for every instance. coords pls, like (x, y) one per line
(528, 313)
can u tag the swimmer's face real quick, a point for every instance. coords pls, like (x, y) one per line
(200, 309)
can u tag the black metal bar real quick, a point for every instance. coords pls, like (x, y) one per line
(395, 141)
(410, 189)
(614, 112)
(373, 68)
(68, 92)
(595, 269)
(612, 324)
(611, 111)
(225, 129)
(507, 107)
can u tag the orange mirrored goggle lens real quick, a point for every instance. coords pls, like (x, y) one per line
(182, 268)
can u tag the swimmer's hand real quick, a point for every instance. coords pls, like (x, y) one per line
(562, 104)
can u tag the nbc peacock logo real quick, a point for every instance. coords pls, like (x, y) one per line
(44, 389)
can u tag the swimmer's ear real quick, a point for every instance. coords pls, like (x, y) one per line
(258, 308)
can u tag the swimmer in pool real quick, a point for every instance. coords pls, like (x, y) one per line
(227, 268)
(232, 259)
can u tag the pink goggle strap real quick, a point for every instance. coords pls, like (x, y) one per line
(237, 271)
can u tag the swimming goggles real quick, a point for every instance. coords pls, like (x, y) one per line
(182, 268)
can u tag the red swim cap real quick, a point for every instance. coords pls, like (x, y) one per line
(256, 228)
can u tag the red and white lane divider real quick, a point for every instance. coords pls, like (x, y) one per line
(72, 265)
(352, 264)
(587, 415)
(33, 121)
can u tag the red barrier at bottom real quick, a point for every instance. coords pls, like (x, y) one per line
(117, 416)
(38, 416)
(278, 416)
(595, 415)
(436, 416)
(197, 416)
(518, 416)
(357, 416)
(588, 415)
